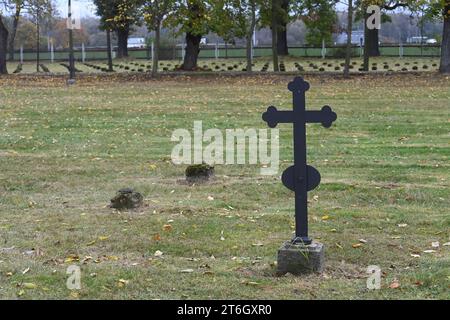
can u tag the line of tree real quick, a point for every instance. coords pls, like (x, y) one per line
(232, 19)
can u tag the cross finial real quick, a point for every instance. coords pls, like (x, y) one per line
(298, 85)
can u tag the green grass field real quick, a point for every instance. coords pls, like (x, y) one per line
(289, 64)
(65, 151)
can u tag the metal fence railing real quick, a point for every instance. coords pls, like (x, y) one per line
(176, 52)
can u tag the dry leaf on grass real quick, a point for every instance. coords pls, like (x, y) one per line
(435, 244)
(187, 271)
(157, 237)
(29, 285)
(72, 258)
(122, 282)
(395, 284)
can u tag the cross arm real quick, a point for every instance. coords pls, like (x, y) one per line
(273, 117)
(326, 117)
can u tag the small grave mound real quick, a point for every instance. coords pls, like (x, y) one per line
(199, 173)
(127, 199)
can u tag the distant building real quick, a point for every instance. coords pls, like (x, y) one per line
(136, 43)
(357, 37)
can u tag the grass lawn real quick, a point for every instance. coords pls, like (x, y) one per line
(287, 64)
(65, 151)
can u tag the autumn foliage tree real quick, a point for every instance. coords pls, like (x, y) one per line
(193, 18)
(320, 19)
(120, 16)
(154, 12)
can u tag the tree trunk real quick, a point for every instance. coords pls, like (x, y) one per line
(155, 56)
(192, 52)
(12, 36)
(282, 45)
(250, 34)
(122, 44)
(38, 45)
(374, 43)
(348, 51)
(3, 47)
(445, 50)
(366, 41)
(276, 66)
(109, 48)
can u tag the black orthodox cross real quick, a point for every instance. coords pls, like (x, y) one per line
(300, 178)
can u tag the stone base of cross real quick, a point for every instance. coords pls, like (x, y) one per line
(300, 178)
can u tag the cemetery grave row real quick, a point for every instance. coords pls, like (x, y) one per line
(289, 64)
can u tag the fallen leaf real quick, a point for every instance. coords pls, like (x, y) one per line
(325, 218)
(395, 284)
(122, 282)
(21, 293)
(187, 271)
(415, 255)
(29, 285)
(357, 245)
(158, 254)
(112, 258)
(435, 244)
(402, 225)
(167, 227)
(72, 258)
(103, 238)
(157, 237)
(429, 251)
(210, 198)
(362, 241)
(26, 271)
(259, 244)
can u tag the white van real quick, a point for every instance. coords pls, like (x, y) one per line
(136, 43)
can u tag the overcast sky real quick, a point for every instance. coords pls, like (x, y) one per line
(87, 8)
(84, 7)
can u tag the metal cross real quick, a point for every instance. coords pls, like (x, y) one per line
(300, 178)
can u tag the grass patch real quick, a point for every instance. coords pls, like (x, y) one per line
(65, 151)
